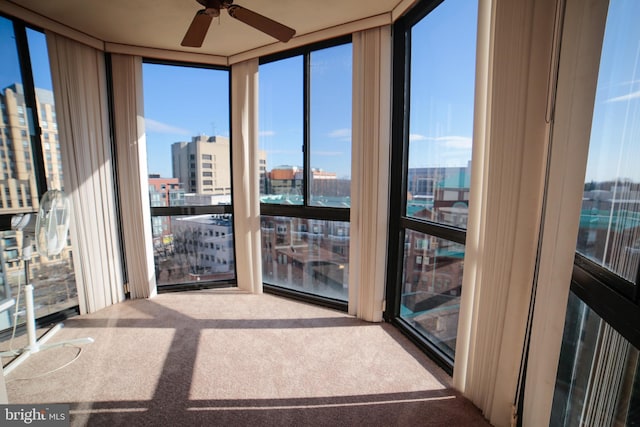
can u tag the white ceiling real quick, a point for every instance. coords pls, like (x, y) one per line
(162, 23)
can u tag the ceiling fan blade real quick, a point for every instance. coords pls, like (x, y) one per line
(198, 29)
(262, 23)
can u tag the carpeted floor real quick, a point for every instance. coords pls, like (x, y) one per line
(223, 357)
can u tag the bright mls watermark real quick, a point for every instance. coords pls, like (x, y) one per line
(54, 415)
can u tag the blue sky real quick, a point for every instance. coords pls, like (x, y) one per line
(9, 68)
(442, 86)
(179, 103)
(614, 151)
(281, 111)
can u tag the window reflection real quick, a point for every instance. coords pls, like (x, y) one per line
(53, 278)
(598, 372)
(432, 285)
(610, 217)
(193, 248)
(306, 255)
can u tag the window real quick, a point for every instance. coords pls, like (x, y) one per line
(305, 169)
(179, 101)
(599, 370)
(596, 365)
(25, 180)
(434, 94)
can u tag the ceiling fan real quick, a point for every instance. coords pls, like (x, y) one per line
(200, 24)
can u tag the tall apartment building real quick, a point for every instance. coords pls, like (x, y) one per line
(19, 193)
(17, 178)
(203, 164)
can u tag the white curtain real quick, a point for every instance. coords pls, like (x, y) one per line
(133, 183)
(79, 85)
(508, 169)
(246, 174)
(370, 172)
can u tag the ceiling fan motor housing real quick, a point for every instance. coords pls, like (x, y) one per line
(215, 4)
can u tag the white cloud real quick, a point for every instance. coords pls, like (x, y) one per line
(450, 141)
(341, 134)
(159, 127)
(627, 97)
(456, 141)
(417, 137)
(266, 133)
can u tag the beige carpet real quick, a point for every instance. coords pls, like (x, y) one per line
(223, 357)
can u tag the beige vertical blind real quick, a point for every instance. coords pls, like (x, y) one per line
(133, 183)
(582, 35)
(80, 90)
(509, 163)
(371, 139)
(246, 174)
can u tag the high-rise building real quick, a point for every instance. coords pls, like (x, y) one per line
(17, 178)
(203, 164)
(19, 194)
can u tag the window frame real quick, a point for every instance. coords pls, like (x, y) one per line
(170, 211)
(305, 210)
(36, 164)
(615, 299)
(399, 221)
(35, 137)
(598, 288)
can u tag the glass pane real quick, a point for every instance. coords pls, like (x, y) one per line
(330, 127)
(193, 248)
(592, 351)
(432, 285)
(10, 130)
(610, 218)
(183, 107)
(18, 191)
(281, 131)
(53, 278)
(306, 255)
(39, 57)
(441, 113)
